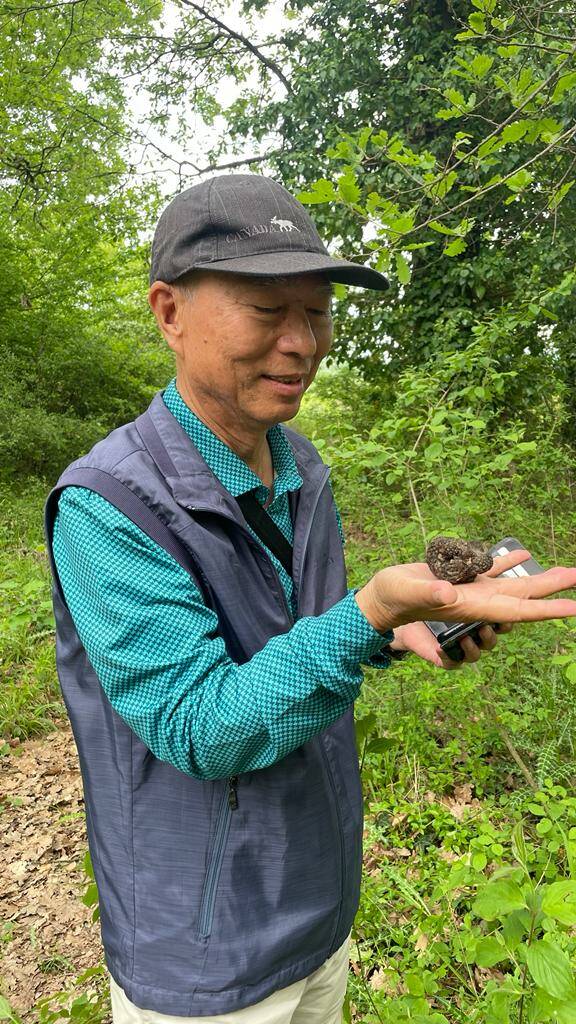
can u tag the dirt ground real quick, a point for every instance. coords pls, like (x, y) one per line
(46, 933)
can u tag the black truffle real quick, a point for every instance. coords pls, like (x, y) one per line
(459, 561)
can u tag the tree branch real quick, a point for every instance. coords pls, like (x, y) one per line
(270, 64)
(236, 163)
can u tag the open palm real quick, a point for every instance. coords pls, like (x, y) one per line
(407, 593)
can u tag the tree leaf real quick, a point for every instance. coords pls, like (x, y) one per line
(564, 84)
(513, 132)
(402, 268)
(437, 225)
(559, 901)
(559, 193)
(481, 65)
(455, 248)
(348, 187)
(550, 968)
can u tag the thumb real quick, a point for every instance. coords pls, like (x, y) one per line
(442, 592)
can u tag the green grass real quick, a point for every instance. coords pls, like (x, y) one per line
(30, 701)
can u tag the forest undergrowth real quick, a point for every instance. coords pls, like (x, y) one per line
(469, 895)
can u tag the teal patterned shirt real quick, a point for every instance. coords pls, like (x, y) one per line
(153, 642)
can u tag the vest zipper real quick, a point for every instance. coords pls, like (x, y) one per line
(340, 836)
(208, 901)
(233, 792)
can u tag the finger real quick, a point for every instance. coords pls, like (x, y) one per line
(506, 608)
(471, 650)
(488, 638)
(503, 627)
(541, 585)
(443, 661)
(503, 562)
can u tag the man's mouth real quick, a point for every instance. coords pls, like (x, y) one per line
(287, 384)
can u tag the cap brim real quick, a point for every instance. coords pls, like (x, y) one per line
(286, 264)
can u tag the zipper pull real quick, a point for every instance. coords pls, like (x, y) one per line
(233, 792)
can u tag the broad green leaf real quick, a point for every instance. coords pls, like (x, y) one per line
(381, 745)
(481, 65)
(437, 225)
(566, 1012)
(455, 248)
(559, 901)
(489, 146)
(477, 23)
(519, 181)
(443, 184)
(364, 726)
(414, 983)
(550, 968)
(348, 187)
(90, 897)
(87, 864)
(433, 451)
(497, 899)
(515, 927)
(508, 51)
(564, 84)
(402, 224)
(559, 194)
(490, 952)
(6, 1012)
(513, 132)
(455, 97)
(519, 843)
(322, 192)
(402, 268)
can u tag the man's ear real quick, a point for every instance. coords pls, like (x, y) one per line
(167, 310)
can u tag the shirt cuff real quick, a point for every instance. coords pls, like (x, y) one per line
(369, 641)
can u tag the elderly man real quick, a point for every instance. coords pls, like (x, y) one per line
(208, 648)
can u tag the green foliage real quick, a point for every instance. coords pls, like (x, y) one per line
(479, 916)
(29, 696)
(78, 352)
(90, 897)
(91, 1006)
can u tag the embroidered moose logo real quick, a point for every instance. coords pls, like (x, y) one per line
(284, 225)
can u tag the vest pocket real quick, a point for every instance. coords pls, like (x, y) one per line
(215, 858)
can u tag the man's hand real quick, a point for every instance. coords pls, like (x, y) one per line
(416, 637)
(410, 593)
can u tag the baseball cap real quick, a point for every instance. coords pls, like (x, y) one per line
(246, 224)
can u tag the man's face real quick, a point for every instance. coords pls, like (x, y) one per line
(240, 334)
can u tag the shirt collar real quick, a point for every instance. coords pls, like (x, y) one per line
(233, 473)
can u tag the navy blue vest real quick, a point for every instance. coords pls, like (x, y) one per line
(205, 907)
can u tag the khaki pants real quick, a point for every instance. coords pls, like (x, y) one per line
(318, 999)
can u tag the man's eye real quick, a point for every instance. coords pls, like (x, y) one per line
(267, 309)
(320, 312)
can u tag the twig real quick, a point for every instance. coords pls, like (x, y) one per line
(270, 64)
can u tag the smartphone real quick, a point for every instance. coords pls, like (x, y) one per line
(448, 634)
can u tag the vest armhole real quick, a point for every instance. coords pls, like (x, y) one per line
(136, 510)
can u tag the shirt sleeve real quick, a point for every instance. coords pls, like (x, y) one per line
(154, 645)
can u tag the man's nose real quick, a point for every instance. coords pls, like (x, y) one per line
(297, 334)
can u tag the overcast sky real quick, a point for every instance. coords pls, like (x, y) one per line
(201, 137)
